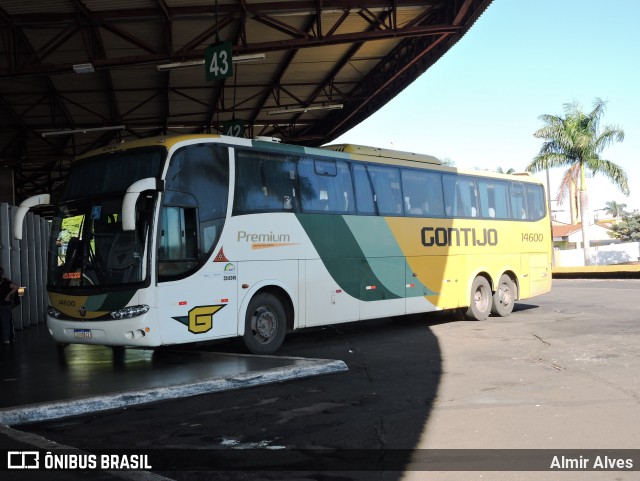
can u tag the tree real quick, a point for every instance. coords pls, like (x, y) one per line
(628, 228)
(569, 187)
(575, 140)
(500, 170)
(614, 208)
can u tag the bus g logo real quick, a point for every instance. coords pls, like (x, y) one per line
(201, 318)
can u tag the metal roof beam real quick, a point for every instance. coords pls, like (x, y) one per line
(277, 76)
(292, 44)
(167, 25)
(128, 37)
(54, 18)
(362, 103)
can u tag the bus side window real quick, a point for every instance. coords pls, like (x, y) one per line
(460, 196)
(177, 246)
(535, 201)
(415, 192)
(343, 190)
(518, 201)
(325, 186)
(452, 201)
(202, 171)
(388, 192)
(364, 191)
(265, 182)
(469, 194)
(494, 202)
(423, 193)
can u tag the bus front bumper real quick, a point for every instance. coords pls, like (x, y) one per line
(127, 332)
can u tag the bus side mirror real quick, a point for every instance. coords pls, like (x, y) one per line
(23, 208)
(131, 197)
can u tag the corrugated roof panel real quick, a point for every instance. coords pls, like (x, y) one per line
(258, 32)
(150, 34)
(86, 109)
(259, 72)
(313, 64)
(186, 30)
(142, 77)
(184, 110)
(71, 51)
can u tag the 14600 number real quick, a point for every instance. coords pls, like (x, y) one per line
(526, 237)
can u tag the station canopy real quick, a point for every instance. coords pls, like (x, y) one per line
(76, 75)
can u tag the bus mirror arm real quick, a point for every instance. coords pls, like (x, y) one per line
(131, 197)
(23, 208)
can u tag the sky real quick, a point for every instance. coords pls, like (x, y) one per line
(479, 105)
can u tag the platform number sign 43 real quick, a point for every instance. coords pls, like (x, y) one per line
(218, 61)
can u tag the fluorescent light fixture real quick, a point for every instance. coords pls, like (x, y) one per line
(81, 131)
(178, 65)
(200, 62)
(84, 68)
(248, 58)
(292, 110)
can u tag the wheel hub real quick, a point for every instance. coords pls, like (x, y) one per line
(505, 296)
(266, 323)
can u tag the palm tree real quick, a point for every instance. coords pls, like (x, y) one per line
(500, 170)
(569, 187)
(576, 140)
(614, 208)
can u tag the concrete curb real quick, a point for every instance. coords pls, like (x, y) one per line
(74, 407)
(597, 272)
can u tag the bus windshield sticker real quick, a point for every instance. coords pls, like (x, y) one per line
(95, 212)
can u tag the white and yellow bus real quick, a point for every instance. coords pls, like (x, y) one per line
(193, 238)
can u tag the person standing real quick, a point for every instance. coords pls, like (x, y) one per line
(7, 290)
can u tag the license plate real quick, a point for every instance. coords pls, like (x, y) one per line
(82, 333)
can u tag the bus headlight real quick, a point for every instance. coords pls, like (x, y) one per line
(53, 312)
(129, 312)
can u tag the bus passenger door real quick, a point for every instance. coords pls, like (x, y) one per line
(195, 303)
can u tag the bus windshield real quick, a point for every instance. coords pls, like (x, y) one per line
(89, 248)
(113, 172)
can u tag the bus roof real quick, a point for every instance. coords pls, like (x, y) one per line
(354, 151)
(365, 151)
(166, 141)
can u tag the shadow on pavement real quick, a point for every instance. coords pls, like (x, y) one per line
(382, 404)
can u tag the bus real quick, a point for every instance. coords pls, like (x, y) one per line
(194, 238)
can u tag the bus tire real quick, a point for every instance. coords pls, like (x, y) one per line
(265, 324)
(481, 299)
(505, 297)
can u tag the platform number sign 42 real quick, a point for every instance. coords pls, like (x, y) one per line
(234, 128)
(218, 62)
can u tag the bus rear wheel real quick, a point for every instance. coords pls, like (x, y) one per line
(265, 324)
(504, 297)
(481, 299)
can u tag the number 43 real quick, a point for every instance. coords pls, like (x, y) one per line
(219, 66)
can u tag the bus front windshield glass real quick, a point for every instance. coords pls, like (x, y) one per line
(89, 248)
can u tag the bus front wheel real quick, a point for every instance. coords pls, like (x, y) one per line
(265, 324)
(481, 299)
(504, 297)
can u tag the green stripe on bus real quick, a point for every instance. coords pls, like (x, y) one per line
(342, 256)
(116, 300)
